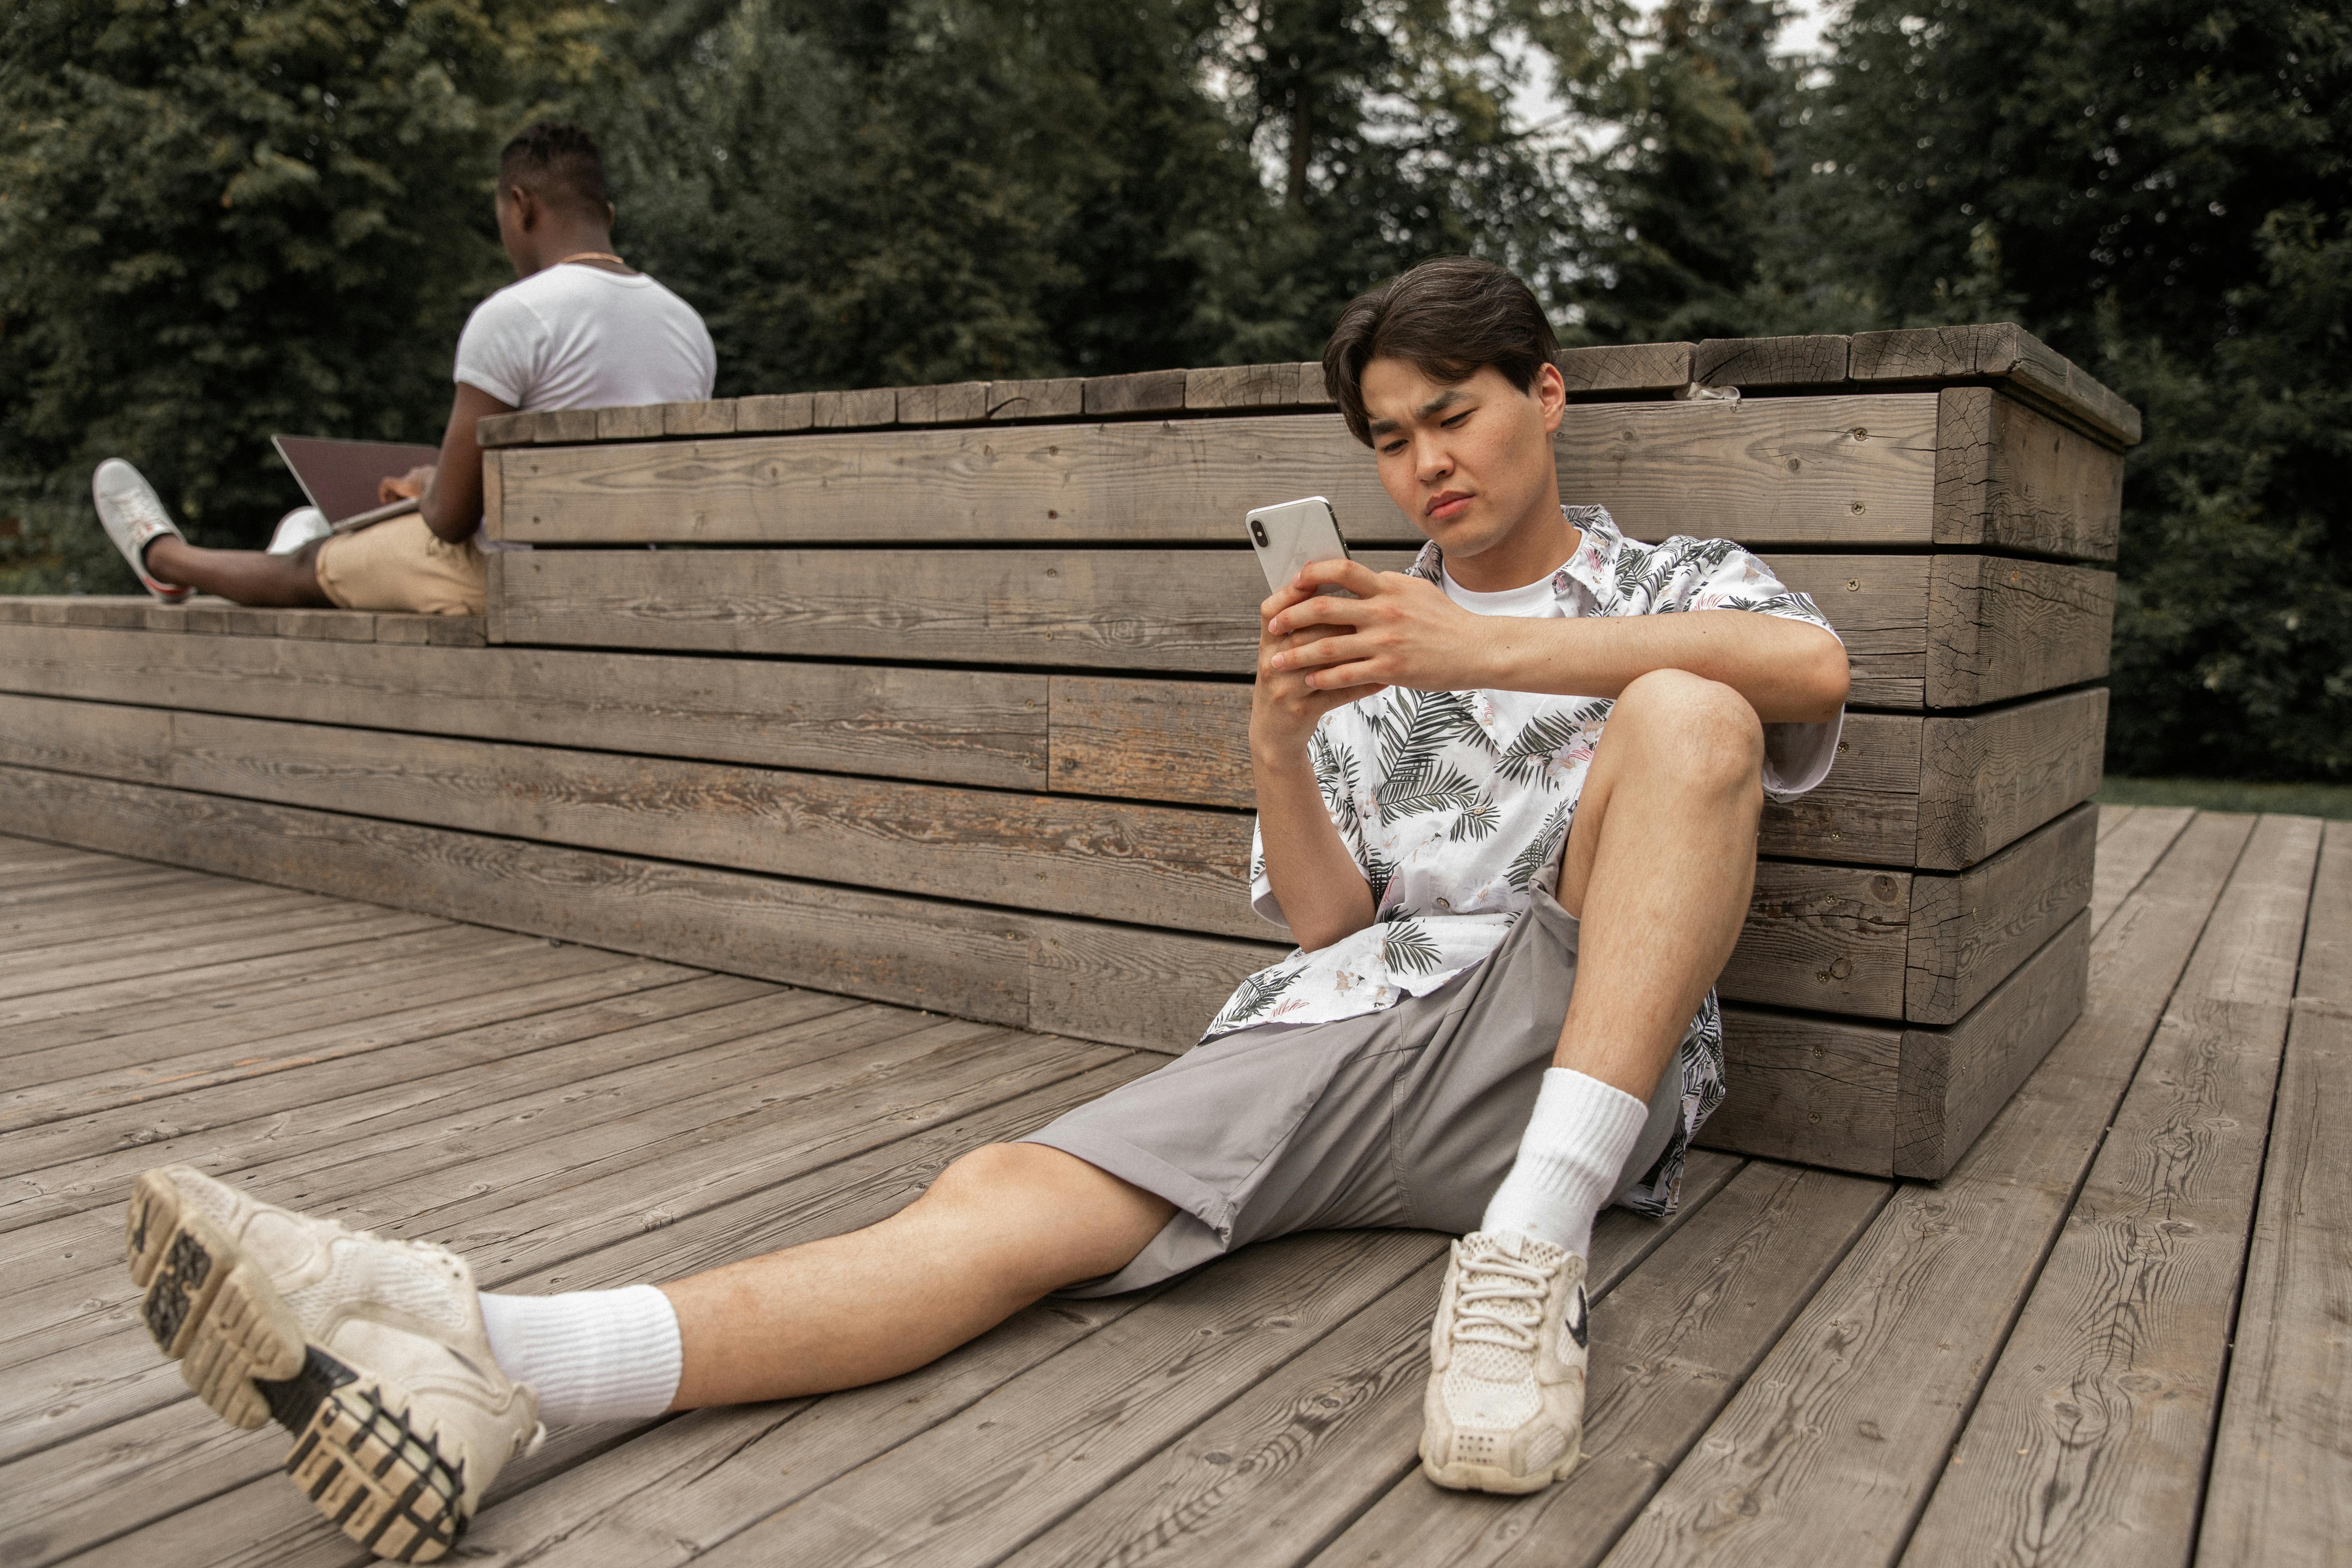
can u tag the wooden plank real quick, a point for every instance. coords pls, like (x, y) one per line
(1670, 1345)
(1145, 392)
(563, 426)
(775, 411)
(640, 423)
(2089, 1443)
(1826, 1452)
(1122, 861)
(1241, 386)
(1818, 936)
(1841, 470)
(1059, 397)
(1625, 368)
(1952, 1081)
(1819, 360)
(1999, 628)
(2128, 854)
(549, 978)
(956, 403)
(1988, 779)
(1968, 931)
(283, 932)
(967, 727)
(997, 965)
(852, 410)
(1183, 481)
(1881, 609)
(2280, 1486)
(754, 1457)
(2010, 479)
(837, 1100)
(71, 1167)
(2028, 366)
(714, 418)
(495, 430)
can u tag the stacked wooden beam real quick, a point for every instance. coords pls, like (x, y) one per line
(940, 696)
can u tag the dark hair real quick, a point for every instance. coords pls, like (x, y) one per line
(556, 162)
(1450, 317)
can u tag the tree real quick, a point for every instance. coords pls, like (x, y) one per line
(219, 220)
(2162, 191)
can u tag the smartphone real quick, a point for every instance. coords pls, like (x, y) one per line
(1288, 536)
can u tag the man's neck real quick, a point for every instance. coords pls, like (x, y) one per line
(1538, 546)
(555, 249)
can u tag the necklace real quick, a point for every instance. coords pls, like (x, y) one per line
(593, 256)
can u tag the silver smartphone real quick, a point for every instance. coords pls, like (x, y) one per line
(1289, 536)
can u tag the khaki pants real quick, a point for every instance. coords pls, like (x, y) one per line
(401, 564)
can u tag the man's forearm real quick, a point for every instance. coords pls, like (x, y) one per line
(1322, 891)
(1790, 671)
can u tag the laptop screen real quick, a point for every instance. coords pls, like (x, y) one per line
(340, 477)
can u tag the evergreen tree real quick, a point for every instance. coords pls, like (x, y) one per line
(2163, 192)
(221, 220)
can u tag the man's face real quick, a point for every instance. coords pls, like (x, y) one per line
(1467, 461)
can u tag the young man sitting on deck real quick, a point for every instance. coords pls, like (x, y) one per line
(1508, 805)
(579, 328)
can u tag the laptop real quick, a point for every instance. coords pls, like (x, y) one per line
(340, 477)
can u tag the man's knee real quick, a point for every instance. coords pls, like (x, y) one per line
(1701, 729)
(992, 1172)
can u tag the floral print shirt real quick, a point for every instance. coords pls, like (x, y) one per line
(1455, 805)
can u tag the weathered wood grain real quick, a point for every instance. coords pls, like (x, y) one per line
(1827, 1451)
(1241, 386)
(2129, 851)
(964, 726)
(715, 416)
(1988, 779)
(975, 963)
(956, 403)
(1840, 470)
(1670, 1345)
(2280, 1486)
(639, 422)
(1952, 1081)
(1144, 392)
(1968, 931)
(2091, 1437)
(1625, 368)
(1060, 397)
(869, 406)
(775, 411)
(2010, 479)
(1147, 481)
(2029, 367)
(2000, 627)
(1819, 360)
(1825, 937)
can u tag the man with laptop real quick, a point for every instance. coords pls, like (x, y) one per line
(579, 328)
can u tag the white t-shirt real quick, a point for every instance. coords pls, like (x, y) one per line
(580, 337)
(1796, 756)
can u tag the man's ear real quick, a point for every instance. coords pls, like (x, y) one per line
(526, 207)
(1550, 393)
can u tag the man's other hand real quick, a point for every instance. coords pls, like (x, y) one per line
(410, 486)
(1397, 631)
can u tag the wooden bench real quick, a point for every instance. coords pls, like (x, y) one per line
(939, 696)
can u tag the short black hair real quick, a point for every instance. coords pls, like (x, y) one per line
(1451, 317)
(557, 162)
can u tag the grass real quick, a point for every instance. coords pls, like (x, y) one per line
(2219, 794)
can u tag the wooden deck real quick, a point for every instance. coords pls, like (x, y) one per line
(2115, 1333)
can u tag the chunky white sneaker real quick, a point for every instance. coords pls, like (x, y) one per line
(1505, 1407)
(372, 1352)
(297, 529)
(135, 519)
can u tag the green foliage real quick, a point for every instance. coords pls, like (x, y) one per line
(219, 220)
(2161, 190)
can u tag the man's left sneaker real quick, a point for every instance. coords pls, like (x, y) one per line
(134, 518)
(371, 1352)
(1505, 1407)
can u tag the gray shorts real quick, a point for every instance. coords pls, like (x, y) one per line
(1408, 1118)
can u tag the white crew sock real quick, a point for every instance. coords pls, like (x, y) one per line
(1576, 1145)
(592, 1355)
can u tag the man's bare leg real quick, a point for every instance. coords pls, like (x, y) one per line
(998, 1230)
(246, 576)
(1658, 869)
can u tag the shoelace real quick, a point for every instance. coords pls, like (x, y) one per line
(1488, 1286)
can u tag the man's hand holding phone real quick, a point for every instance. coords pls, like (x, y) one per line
(1286, 702)
(1397, 630)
